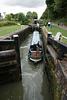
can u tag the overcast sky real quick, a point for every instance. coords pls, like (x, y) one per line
(16, 6)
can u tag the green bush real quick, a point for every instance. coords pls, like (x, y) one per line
(1, 25)
(2, 20)
(7, 23)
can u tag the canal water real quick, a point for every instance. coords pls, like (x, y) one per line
(34, 84)
(34, 80)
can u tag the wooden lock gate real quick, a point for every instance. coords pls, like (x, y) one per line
(10, 67)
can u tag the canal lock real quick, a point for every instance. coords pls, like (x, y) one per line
(34, 84)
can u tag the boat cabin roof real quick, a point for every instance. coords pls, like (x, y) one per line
(36, 38)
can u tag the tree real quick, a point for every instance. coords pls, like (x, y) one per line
(8, 17)
(57, 8)
(34, 15)
(0, 14)
(49, 3)
(29, 15)
(12, 15)
(60, 6)
(26, 21)
(45, 14)
(16, 16)
(21, 17)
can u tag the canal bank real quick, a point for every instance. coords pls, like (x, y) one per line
(55, 65)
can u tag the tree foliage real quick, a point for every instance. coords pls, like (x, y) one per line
(8, 17)
(21, 18)
(34, 15)
(55, 9)
(0, 14)
(29, 15)
(60, 6)
(45, 14)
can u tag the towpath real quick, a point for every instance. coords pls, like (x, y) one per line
(63, 27)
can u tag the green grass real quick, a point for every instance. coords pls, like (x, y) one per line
(64, 40)
(8, 29)
(57, 29)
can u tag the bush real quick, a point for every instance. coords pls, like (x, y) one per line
(8, 17)
(1, 25)
(7, 23)
(1, 20)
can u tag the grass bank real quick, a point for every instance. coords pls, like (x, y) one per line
(57, 29)
(62, 20)
(8, 29)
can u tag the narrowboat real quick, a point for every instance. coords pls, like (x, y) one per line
(36, 50)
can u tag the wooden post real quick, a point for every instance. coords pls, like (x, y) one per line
(16, 37)
(48, 35)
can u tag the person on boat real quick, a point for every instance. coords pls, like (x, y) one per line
(37, 46)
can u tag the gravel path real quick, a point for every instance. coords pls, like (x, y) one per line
(63, 27)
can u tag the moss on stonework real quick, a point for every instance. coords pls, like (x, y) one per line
(51, 73)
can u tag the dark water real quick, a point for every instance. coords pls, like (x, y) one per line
(34, 80)
(11, 91)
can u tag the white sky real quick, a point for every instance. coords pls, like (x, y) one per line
(16, 6)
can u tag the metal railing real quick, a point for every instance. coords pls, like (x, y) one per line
(62, 48)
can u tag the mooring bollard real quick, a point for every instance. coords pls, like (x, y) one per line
(16, 40)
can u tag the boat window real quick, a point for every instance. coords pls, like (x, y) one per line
(33, 48)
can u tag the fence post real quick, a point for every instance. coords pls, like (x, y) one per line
(16, 40)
